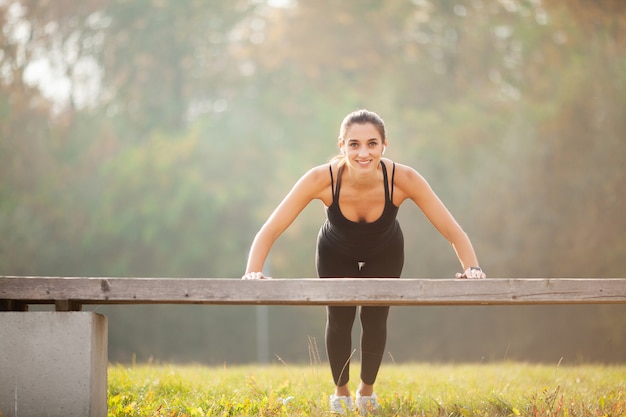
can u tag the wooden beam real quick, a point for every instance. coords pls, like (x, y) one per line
(67, 305)
(72, 292)
(13, 305)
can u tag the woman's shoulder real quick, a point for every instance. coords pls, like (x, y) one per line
(408, 183)
(316, 183)
(318, 175)
(320, 171)
(401, 170)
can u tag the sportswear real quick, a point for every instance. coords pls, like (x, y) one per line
(358, 250)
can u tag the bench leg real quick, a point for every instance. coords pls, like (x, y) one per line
(67, 305)
(12, 305)
(53, 364)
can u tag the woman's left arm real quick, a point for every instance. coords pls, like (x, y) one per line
(410, 184)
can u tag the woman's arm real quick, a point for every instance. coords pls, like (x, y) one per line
(311, 186)
(410, 184)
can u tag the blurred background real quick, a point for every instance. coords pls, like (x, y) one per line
(152, 138)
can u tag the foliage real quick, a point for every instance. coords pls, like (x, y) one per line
(152, 138)
(486, 390)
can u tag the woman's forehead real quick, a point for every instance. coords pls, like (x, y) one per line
(360, 131)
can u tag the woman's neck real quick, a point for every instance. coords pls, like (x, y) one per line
(353, 178)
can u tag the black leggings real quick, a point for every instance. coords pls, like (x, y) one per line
(340, 319)
(339, 342)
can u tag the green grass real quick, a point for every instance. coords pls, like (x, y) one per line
(485, 390)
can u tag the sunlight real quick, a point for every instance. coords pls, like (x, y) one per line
(280, 3)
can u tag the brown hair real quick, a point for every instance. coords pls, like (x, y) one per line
(361, 117)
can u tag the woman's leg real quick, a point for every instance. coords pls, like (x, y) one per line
(388, 264)
(373, 339)
(339, 341)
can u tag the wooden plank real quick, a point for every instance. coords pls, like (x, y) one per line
(67, 305)
(75, 291)
(13, 305)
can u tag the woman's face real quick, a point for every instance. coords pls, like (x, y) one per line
(362, 146)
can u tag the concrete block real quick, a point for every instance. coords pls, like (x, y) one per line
(53, 364)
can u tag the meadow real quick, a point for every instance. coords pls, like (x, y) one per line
(483, 389)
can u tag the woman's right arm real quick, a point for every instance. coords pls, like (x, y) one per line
(311, 186)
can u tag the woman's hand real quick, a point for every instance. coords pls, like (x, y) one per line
(255, 275)
(473, 272)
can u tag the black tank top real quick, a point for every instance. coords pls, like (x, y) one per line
(360, 239)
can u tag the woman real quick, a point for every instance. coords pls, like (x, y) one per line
(361, 238)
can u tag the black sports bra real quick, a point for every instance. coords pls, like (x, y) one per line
(380, 225)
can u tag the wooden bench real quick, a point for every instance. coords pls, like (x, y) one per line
(72, 345)
(70, 294)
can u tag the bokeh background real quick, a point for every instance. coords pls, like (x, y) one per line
(151, 138)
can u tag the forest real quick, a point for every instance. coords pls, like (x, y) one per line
(152, 138)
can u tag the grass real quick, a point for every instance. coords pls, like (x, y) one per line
(467, 390)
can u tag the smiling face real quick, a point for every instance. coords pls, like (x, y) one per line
(362, 146)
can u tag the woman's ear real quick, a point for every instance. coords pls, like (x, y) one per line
(384, 149)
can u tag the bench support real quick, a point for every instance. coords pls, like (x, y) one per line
(13, 305)
(53, 364)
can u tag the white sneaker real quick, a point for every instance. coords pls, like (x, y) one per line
(367, 404)
(340, 404)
